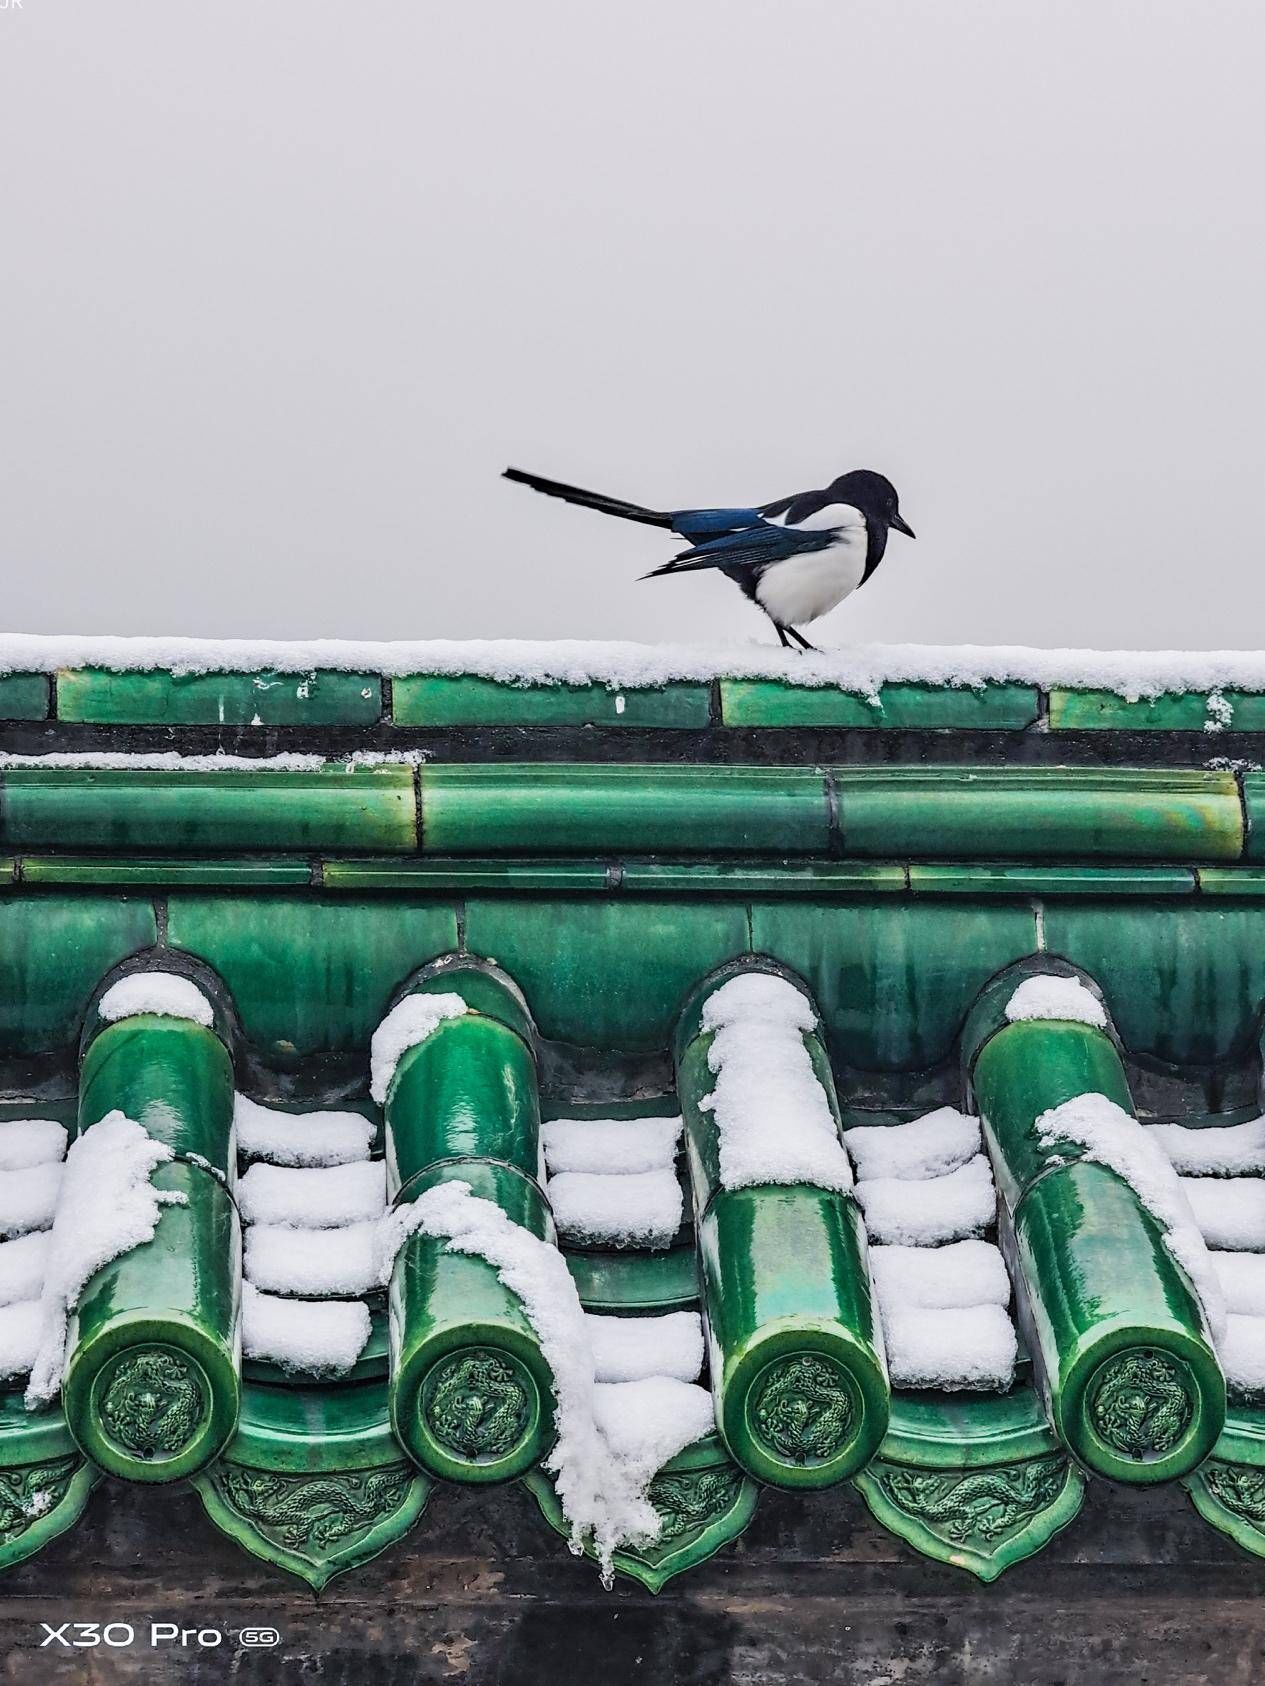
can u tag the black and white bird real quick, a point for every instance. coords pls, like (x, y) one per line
(796, 558)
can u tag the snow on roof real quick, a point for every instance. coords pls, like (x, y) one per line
(859, 668)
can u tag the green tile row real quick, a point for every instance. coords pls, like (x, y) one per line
(325, 697)
(312, 973)
(821, 879)
(592, 813)
(919, 813)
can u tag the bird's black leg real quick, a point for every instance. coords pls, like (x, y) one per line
(802, 641)
(782, 638)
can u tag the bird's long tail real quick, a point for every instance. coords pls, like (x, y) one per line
(590, 500)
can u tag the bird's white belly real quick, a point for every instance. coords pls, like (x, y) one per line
(807, 586)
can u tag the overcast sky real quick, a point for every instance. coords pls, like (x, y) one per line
(286, 284)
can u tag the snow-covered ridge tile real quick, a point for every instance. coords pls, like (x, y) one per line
(1112, 1137)
(612, 1437)
(629, 666)
(774, 1122)
(106, 1206)
(410, 1022)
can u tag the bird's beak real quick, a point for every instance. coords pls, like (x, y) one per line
(902, 526)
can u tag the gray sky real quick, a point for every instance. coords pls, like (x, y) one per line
(287, 283)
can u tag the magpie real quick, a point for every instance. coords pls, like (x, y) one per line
(796, 558)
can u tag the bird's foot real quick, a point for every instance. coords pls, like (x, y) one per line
(802, 641)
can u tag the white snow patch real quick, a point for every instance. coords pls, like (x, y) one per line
(22, 1265)
(773, 1118)
(21, 1328)
(647, 1422)
(929, 1212)
(324, 1197)
(1112, 1138)
(1219, 1150)
(300, 1139)
(955, 1277)
(1230, 1213)
(632, 1349)
(931, 1146)
(282, 1260)
(639, 1209)
(1242, 1353)
(1048, 996)
(316, 1337)
(603, 1495)
(31, 1141)
(164, 993)
(28, 1198)
(622, 666)
(610, 1144)
(409, 1022)
(973, 1348)
(1242, 1279)
(106, 1207)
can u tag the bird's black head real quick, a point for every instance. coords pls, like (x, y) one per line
(874, 495)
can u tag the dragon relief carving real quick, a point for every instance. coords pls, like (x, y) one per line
(805, 1409)
(30, 1492)
(1143, 1405)
(313, 1511)
(986, 1503)
(153, 1402)
(1239, 1488)
(476, 1404)
(691, 1499)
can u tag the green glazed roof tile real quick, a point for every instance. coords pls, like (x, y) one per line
(333, 807)
(266, 698)
(24, 696)
(1050, 812)
(1186, 711)
(443, 700)
(572, 809)
(772, 702)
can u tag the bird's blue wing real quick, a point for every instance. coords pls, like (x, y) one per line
(699, 524)
(751, 549)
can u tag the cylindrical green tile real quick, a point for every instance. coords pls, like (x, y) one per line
(794, 1345)
(367, 809)
(152, 1382)
(577, 808)
(471, 1391)
(1035, 813)
(1119, 1339)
